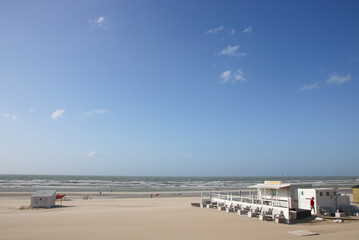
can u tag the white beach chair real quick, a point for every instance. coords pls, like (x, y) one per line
(266, 215)
(243, 210)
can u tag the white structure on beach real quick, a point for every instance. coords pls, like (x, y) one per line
(43, 199)
(271, 199)
(282, 194)
(282, 202)
(326, 200)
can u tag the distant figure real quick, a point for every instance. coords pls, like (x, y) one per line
(151, 195)
(312, 205)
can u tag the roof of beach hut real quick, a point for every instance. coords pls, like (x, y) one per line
(44, 193)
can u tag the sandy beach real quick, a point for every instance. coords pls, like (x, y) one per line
(146, 218)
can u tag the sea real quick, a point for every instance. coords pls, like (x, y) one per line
(30, 183)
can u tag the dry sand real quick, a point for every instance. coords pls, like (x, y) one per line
(146, 218)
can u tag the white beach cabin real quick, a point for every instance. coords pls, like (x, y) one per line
(326, 200)
(43, 199)
(275, 197)
(281, 194)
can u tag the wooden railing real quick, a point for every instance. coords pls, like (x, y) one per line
(246, 196)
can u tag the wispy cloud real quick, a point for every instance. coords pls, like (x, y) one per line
(225, 76)
(238, 76)
(100, 22)
(232, 51)
(308, 87)
(32, 110)
(13, 117)
(94, 154)
(214, 30)
(248, 29)
(191, 155)
(234, 77)
(57, 113)
(335, 78)
(95, 112)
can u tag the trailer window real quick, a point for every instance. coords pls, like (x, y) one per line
(334, 193)
(321, 194)
(327, 193)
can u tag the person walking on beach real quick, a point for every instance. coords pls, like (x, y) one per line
(312, 205)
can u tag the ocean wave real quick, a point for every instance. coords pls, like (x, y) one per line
(93, 183)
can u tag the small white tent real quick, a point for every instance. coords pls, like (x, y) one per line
(43, 199)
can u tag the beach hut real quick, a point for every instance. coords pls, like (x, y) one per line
(355, 193)
(43, 199)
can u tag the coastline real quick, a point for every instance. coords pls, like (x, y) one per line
(111, 194)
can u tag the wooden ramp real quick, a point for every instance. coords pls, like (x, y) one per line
(304, 233)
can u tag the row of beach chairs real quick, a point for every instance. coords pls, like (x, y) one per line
(263, 214)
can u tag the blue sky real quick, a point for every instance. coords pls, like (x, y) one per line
(199, 88)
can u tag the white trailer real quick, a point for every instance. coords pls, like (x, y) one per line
(326, 200)
(43, 199)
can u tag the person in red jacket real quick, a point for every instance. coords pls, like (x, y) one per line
(312, 205)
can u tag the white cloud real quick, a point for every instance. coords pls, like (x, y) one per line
(94, 154)
(95, 112)
(233, 31)
(191, 155)
(214, 31)
(13, 117)
(248, 30)
(100, 22)
(32, 110)
(57, 113)
(335, 78)
(227, 76)
(238, 76)
(308, 87)
(231, 51)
